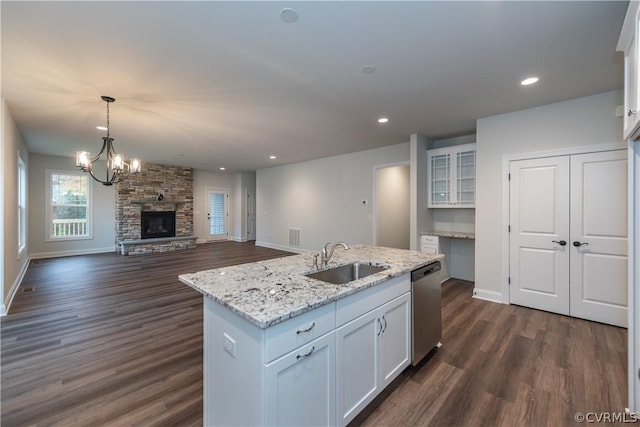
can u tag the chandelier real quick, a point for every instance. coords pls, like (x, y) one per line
(116, 168)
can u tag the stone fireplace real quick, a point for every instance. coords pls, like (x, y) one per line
(147, 223)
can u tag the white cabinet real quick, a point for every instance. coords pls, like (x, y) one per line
(282, 375)
(288, 374)
(452, 177)
(628, 43)
(372, 350)
(429, 244)
(300, 386)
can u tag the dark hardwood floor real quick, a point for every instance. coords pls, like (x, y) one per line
(505, 365)
(111, 340)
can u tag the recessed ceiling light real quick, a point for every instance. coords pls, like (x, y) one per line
(529, 81)
(272, 157)
(383, 120)
(222, 169)
(101, 128)
(289, 15)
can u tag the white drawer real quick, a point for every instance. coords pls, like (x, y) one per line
(291, 334)
(426, 239)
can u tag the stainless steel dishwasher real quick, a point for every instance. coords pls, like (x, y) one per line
(426, 318)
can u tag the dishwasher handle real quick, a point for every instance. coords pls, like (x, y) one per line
(425, 271)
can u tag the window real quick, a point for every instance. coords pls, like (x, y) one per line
(69, 205)
(22, 205)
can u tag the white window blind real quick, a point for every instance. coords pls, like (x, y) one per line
(217, 214)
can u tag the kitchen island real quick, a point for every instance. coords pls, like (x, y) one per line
(281, 348)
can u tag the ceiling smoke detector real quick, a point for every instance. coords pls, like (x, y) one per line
(289, 15)
(368, 69)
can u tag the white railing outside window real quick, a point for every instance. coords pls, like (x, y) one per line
(68, 214)
(69, 227)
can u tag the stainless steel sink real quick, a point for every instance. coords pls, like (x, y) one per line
(346, 273)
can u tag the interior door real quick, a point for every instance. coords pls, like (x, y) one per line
(251, 214)
(539, 221)
(598, 272)
(217, 214)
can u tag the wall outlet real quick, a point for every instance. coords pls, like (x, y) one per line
(230, 345)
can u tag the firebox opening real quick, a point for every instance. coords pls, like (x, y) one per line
(158, 224)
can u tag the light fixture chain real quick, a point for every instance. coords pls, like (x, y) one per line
(108, 118)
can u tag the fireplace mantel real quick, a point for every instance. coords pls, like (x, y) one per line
(160, 202)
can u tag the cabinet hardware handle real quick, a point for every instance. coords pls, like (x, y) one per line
(561, 242)
(385, 324)
(379, 323)
(578, 244)
(632, 111)
(300, 331)
(307, 354)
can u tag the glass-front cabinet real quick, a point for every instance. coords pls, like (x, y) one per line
(452, 177)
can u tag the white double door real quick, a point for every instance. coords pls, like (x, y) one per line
(568, 238)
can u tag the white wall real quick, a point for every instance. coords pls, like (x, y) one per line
(241, 183)
(104, 210)
(575, 123)
(202, 180)
(322, 197)
(420, 216)
(237, 185)
(14, 264)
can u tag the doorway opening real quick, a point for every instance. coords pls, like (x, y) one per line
(391, 206)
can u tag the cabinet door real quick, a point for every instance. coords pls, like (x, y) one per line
(452, 177)
(300, 386)
(439, 179)
(465, 178)
(357, 365)
(395, 345)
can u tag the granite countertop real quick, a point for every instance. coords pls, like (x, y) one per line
(452, 234)
(269, 292)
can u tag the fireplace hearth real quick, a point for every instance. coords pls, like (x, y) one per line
(156, 224)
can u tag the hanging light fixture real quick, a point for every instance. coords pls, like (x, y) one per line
(116, 168)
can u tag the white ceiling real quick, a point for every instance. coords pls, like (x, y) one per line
(211, 84)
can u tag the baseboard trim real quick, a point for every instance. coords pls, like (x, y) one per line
(486, 295)
(4, 309)
(282, 247)
(239, 239)
(57, 254)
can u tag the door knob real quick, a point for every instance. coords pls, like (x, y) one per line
(561, 242)
(578, 244)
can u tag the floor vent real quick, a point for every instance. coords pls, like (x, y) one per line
(294, 236)
(28, 289)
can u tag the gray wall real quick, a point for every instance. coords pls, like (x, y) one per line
(13, 263)
(322, 197)
(575, 123)
(392, 207)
